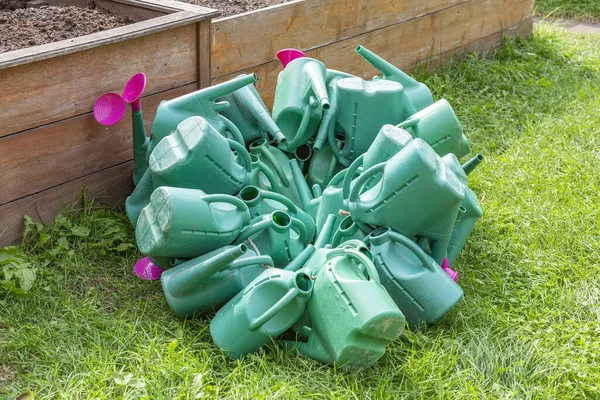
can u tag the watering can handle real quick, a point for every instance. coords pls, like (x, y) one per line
(300, 229)
(255, 260)
(275, 165)
(412, 246)
(225, 198)
(254, 228)
(409, 123)
(281, 199)
(362, 180)
(275, 308)
(350, 172)
(356, 256)
(261, 166)
(242, 152)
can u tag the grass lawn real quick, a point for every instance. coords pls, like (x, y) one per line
(586, 10)
(528, 327)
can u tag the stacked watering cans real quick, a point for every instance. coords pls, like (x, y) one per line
(335, 219)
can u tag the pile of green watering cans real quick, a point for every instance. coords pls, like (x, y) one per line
(334, 219)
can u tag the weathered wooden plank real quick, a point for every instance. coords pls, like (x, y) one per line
(407, 43)
(253, 38)
(111, 186)
(204, 53)
(130, 11)
(48, 156)
(43, 92)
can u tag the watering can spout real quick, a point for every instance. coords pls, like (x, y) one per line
(303, 190)
(326, 232)
(192, 273)
(470, 165)
(301, 259)
(317, 82)
(140, 145)
(387, 69)
(214, 92)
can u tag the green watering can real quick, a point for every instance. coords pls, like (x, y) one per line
(195, 149)
(202, 103)
(139, 198)
(350, 317)
(261, 202)
(323, 167)
(419, 94)
(347, 230)
(471, 209)
(416, 195)
(277, 234)
(206, 283)
(300, 99)
(266, 308)
(278, 164)
(321, 241)
(438, 126)
(332, 201)
(418, 285)
(363, 108)
(248, 112)
(188, 223)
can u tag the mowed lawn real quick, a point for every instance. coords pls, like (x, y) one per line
(529, 324)
(586, 10)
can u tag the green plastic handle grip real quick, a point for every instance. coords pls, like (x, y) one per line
(261, 166)
(360, 182)
(281, 199)
(243, 153)
(262, 149)
(358, 257)
(412, 246)
(350, 172)
(300, 229)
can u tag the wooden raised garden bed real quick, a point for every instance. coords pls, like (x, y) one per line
(50, 145)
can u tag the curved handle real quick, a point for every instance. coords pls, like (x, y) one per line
(358, 257)
(303, 126)
(362, 180)
(300, 229)
(264, 168)
(242, 152)
(290, 206)
(232, 128)
(413, 247)
(225, 198)
(350, 172)
(275, 308)
(255, 260)
(274, 164)
(409, 123)
(254, 228)
(335, 150)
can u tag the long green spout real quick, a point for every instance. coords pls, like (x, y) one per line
(317, 82)
(470, 165)
(140, 145)
(303, 189)
(301, 259)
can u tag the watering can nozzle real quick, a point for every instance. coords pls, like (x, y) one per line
(470, 165)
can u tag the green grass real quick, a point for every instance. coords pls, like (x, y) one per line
(586, 10)
(528, 327)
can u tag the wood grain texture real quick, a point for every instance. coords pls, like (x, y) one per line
(43, 92)
(130, 11)
(111, 186)
(204, 30)
(51, 155)
(409, 42)
(254, 38)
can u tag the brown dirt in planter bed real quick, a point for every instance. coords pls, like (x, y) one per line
(233, 7)
(26, 27)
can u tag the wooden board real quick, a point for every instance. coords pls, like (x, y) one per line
(46, 91)
(111, 185)
(254, 38)
(51, 155)
(409, 42)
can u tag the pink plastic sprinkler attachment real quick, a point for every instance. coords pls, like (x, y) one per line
(109, 109)
(134, 89)
(288, 55)
(146, 269)
(452, 273)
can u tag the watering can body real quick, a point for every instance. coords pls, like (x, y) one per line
(277, 234)
(323, 167)
(196, 156)
(139, 198)
(332, 201)
(418, 285)
(363, 108)
(350, 315)
(206, 283)
(188, 223)
(171, 113)
(438, 126)
(418, 93)
(263, 202)
(267, 307)
(417, 195)
(300, 98)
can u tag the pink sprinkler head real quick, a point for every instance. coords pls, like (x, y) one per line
(109, 109)
(134, 89)
(146, 269)
(288, 55)
(452, 273)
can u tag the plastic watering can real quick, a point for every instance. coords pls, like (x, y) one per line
(248, 112)
(351, 318)
(323, 166)
(139, 198)
(277, 234)
(261, 202)
(195, 149)
(286, 56)
(363, 107)
(416, 195)
(471, 209)
(419, 286)
(438, 126)
(275, 160)
(347, 230)
(419, 94)
(332, 201)
(300, 99)
(188, 223)
(132, 93)
(266, 308)
(202, 103)
(206, 283)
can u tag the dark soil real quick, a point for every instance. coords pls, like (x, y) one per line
(233, 7)
(25, 27)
